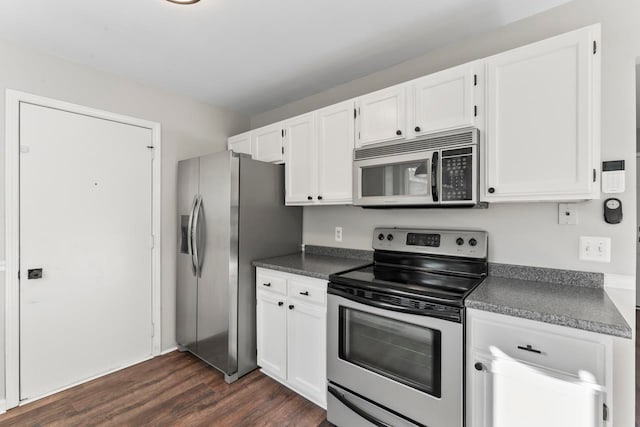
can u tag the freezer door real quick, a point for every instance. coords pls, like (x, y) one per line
(186, 280)
(216, 245)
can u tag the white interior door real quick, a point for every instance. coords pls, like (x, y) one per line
(86, 221)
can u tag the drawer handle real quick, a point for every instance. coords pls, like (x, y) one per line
(291, 307)
(280, 303)
(479, 366)
(268, 285)
(529, 348)
(306, 293)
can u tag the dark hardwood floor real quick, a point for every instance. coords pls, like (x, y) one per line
(176, 389)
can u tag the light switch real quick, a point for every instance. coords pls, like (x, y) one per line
(595, 249)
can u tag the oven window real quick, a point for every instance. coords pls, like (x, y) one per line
(404, 352)
(402, 179)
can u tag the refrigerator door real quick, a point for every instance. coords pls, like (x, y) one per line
(187, 282)
(216, 248)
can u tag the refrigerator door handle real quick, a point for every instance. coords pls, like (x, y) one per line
(196, 223)
(190, 233)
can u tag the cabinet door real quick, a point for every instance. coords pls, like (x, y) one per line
(543, 120)
(266, 143)
(300, 164)
(336, 126)
(240, 143)
(306, 350)
(271, 328)
(444, 100)
(382, 116)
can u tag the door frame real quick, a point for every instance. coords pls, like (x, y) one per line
(12, 203)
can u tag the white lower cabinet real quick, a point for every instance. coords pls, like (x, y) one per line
(291, 331)
(527, 373)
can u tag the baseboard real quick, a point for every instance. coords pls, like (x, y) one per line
(3, 406)
(168, 350)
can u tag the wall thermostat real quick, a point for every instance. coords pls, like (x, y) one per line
(613, 176)
(613, 211)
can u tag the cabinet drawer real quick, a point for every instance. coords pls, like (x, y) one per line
(554, 351)
(312, 292)
(268, 282)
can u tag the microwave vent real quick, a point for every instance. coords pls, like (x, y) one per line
(448, 139)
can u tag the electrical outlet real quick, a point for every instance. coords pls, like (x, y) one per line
(595, 249)
(338, 234)
(567, 214)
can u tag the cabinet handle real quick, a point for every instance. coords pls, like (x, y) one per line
(291, 307)
(529, 348)
(398, 132)
(306, 293)
(479, 366)
(309, 198)
(268, 285)
(417, 129)
(280, 303)
(492, 190)
(319, 197)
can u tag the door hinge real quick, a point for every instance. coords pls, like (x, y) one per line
(358, 135)
(595, 47)
(594, 175)
(153, 329)
(475, 111)
(282, 133)
(152, 241)
(475, 80)
(18, 274)
(282, 150)
(605, 412)
(355, 113)
(153, 152)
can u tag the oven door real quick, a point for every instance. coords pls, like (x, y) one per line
(403, 179)
(406, 363)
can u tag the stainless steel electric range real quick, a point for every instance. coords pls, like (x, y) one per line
(395, 337)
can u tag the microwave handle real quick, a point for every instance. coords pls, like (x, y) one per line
(434, 175)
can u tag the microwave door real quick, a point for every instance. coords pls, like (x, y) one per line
(401, 180)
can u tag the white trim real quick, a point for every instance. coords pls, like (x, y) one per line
(619, 281)
(12, 222)
(168, 350)
(3, 406)
(2, 265)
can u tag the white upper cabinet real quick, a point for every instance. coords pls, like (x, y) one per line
(336, 127)
(300, 163)
(267, 143)
(319, 152)
(240, 143)
(382, 116)
(543, 120)
(444, 100)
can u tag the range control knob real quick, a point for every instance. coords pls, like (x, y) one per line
(380, 236)
(389, 237)
(473, 242)
(460, 241)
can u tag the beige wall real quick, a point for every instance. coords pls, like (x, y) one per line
(189, 128)
(519, 233)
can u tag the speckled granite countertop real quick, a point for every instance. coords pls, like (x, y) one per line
(580, 307)
(318, 262)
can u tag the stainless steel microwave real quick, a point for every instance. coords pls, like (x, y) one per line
(439, 170)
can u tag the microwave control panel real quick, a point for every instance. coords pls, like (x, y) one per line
(457, 174)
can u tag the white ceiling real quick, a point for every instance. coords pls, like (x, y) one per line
(250, 55)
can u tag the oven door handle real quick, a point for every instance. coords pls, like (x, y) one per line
(373, 420)
(386, 306)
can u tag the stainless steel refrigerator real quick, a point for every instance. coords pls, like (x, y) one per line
(230, 212)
